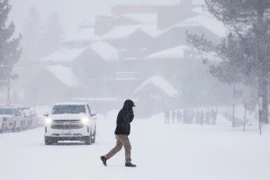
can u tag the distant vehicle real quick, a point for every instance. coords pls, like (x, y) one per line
(11, 119)
(25, 120)
(30, 116)
(70, 121)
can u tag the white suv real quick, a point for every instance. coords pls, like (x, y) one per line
(11, 119)
(70, 121)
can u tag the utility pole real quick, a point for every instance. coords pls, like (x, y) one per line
(8, 89)
(233, 104)
(245, 117)
(260, 114)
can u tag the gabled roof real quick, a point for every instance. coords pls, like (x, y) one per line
(160, 83)
(153, 2)
(106, 51)
(180, 52)
(207, 22)
(172, 53)
(121, 32)
(65, 75)
(85, 35)
(65, 55)
(143, 18)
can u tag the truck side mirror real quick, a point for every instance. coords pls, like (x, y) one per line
(93, 115)
(46, 114)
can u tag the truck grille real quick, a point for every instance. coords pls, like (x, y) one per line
(67, 124)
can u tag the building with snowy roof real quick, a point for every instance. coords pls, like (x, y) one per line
(53, 84)
(81, 39)
(156, 95)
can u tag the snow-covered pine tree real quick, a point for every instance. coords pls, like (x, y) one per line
(248, 55)
(10, 49)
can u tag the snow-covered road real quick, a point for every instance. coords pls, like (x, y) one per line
(171, 152)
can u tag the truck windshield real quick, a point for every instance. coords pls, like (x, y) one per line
(8, 111)
(68, 109)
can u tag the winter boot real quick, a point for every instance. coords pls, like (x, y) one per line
(129, 164)
(104, 160)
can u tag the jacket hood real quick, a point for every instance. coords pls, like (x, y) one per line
(128, 104)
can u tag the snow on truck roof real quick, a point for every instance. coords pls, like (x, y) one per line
(162, 84)
(71, 103)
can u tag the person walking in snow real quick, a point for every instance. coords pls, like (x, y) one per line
(185, 116)
(202, 118)
(179, 116)
(167, 117)
(197, 117)
(173, 116)
(207, 117)
(122, 131)
(214, 117)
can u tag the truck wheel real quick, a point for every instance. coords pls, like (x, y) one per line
(19, 129)
(2, 129)
(14, 127)
(94, 137)
(48, 141)
(88, 139)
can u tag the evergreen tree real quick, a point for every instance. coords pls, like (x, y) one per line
(53, 34)
(10, 49)
(246, 50)
(31, 37)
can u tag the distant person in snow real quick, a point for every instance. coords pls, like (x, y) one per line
(202, 118)
(185, 116)
(122, 131)
(197, 117)
(167, 117)
(173, 116)
(214, 117)
(207, 117)
(179, 116)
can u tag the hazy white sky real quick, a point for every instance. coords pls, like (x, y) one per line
(72, 12)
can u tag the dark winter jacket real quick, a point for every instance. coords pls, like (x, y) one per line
(124, 118)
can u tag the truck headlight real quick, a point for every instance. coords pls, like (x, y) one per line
(85, 120)
(48, 121)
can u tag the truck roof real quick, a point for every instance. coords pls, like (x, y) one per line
(72, 103)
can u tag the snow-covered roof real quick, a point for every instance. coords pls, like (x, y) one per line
(180, 52)
(106, 51)
(65, 75)
(120, 32)
(162, 84)
(153, 2)
(65, 55)
(172, 53)
(207, 22)
(143, 18)
(86, 34)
